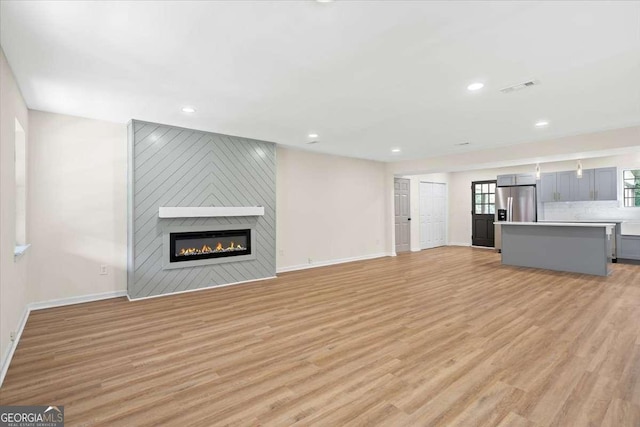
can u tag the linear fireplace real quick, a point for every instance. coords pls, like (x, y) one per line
(200, 245)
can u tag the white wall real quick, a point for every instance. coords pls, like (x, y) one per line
(460, 195)
(329, 208)
(13, 273)
(78, 170)
(414, 202)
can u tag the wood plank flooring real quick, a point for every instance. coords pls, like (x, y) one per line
(443, 337)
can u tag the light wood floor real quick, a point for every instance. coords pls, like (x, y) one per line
(442, 337)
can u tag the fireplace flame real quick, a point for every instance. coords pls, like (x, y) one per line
(205, 249)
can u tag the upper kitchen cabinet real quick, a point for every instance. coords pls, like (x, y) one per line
(605, 184)
(548, 187)
(595, 184)
(563, 186)
(556, 187)
(583, 188)
(519, 179)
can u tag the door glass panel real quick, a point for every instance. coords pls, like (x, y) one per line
(492, 188)
(478, 209)
(478, 188)
(492, 209)
(485, 188)
(492, 198)
(478, 198)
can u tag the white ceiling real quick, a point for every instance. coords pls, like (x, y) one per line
(366, 76)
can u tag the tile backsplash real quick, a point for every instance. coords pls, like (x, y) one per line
(576, 211)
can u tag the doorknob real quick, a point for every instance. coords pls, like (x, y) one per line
(408, 219)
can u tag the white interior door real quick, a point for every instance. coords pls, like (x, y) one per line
(402, 214)
(433, 214)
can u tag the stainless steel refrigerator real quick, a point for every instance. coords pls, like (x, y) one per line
(515, 204)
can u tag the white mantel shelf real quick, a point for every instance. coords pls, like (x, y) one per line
(209, 211)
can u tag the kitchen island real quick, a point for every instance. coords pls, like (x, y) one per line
(561, 246)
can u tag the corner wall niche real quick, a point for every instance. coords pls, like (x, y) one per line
(201, 209)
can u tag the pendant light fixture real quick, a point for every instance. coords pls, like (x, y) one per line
(579, 169)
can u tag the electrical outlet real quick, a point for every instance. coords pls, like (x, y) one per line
(103, 270)
(12, 336)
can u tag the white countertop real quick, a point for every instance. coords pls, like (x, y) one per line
(559, 224)
(599, 221)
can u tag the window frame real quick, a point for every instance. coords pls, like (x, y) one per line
(635, 188)
(20, 175)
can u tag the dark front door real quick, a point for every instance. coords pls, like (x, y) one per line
(483, 208)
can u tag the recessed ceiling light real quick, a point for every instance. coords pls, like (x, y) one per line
(542, 123)
(188, 110)
(324, 1)
(395, 150)
(313, 135)
(475, 86)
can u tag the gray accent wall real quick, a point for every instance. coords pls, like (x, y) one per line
(172, 166)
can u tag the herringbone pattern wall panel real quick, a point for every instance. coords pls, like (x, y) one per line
(172, 166)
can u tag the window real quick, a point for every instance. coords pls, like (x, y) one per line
(484, 198)
(21, 188)
(631, 187)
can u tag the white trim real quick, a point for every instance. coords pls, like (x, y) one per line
(6, 360)
(458, 244)
(76, 300)
(200, 289)
(332, 262)
(209, 211)
(20, 250)
(491, 248)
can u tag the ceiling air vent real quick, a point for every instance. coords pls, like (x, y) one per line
(520, 86)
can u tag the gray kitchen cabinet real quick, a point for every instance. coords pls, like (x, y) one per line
(548, 187)
(519, 179)
(506, 180)
(605, 184)
(629, 247)
(595, 184)
(563, 186)
(525, 179)
(556, 187)
(583, 188)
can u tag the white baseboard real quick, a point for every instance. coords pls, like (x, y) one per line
(200, 289)
(76, 300)
(6, 360)
(332, 262)
(458, 244)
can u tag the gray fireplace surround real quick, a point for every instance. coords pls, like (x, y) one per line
(170, 166)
